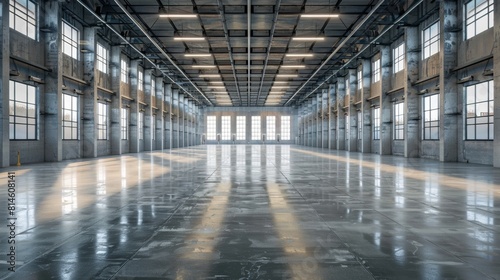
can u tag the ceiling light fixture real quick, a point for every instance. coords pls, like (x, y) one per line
(308, 38)
(203, 66)
(287, 75)
(178, 15)
(209, 76)
(216, 87)
(293, 66)
(299, 54)
(189, 38)
(319, 16)
(216, 82)
(197, 54)
(277, 87)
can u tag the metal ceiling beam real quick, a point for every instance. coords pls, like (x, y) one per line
(230, 52)
(344, 41)
(153, 41)
(91, 11)
(367, 46)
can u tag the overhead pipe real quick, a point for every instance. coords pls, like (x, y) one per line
(271, 36)
(134, 48)
(230, 52)
(342, 43)
(367, 46)
(161, 50)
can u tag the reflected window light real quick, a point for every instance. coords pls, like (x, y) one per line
(101, 242)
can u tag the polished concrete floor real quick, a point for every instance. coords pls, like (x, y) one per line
(254, 212)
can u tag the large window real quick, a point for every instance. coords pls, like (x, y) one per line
(140, 125)
(399, 121)
(376, 123)
(347, 127)
(478, 17)
(124, 71)
(70, 39)
(226, 128)
(102, 58)
(153, 86)
(153, 128)
(271, 128)
(124, 129)
(479, 107)
(285, 128)
(376, 71)
(430, 39)
(140, 79)
(431, 117)
(211, 128)
(22, 111)
(360, 79)
(347, 88)
(360, 125)
(241, 123)
(70, 117)
(102, 121)
(255, 127)
(23, 17)
(399, 58)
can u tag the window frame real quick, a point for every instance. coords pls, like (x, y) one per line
(225, 134)
(472, 121)
(27, 120)
(432, 41)
(211, 128)
(271, 128)
(124, 123)
(376, 71)
(73, 122)
(360, 80)
(256, 128)
(102, 58)
(18, 11)
(360, 125)
(123, 70)
(376, 123)
(285, 133)
(473, 19)
(102, 121)
(428, 124)
(399, 58)
(140, 79)
(241, 122)
(399, 121)
(140, 125)
(72, 41)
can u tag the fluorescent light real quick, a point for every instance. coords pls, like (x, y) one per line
(319, 15)
(299, 54)
(280, 87)
(189, 38)
(203, 66)
(177, 15)
(216, 82)
(287, 75)
(276, 92)
(197, 54)
(216, 87)
(209, 76)
(308, 38)
(280, 82)
(293, 66)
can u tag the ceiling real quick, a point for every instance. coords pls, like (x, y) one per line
(248, 43)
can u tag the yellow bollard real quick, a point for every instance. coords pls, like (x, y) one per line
(18, 159)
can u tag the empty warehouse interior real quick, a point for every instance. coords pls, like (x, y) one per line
(257, 139)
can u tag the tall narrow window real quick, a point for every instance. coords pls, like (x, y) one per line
(347, 127)
(478, 17)
(255, 127)
(376, 70)
(23, 17)
(376, 123)
(271, 128)
(241, 123)
(347, 88)
(102, 58)
(480, 111)
(140, 125)
(226, 128)
(360, 125)
(431, 117)
(430, 39)
(70, 117)
(360, 79)
(153, 86)
(23, 108)
(285, 128)
(102, 121)
(211, 128)
(153, 128)
(70, 40)
(124, 71)
(399, 121)
(399, 58)
(124, 127)
(140, 79)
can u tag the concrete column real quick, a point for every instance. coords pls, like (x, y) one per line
(309, 123)
(352, 113)
(366, 139)
(53, 80)
(160, 120)
(4, 84)
(412, 104)
(89, 123)
(448, 115)
(168, 115)
(318, 119)
(116, 101)
(134, 107)
(325, 119)
(496, 86)
(332, 132)
(385, 101)
(182, 121)
(175, 119)
(148, 113)
(340, 90)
